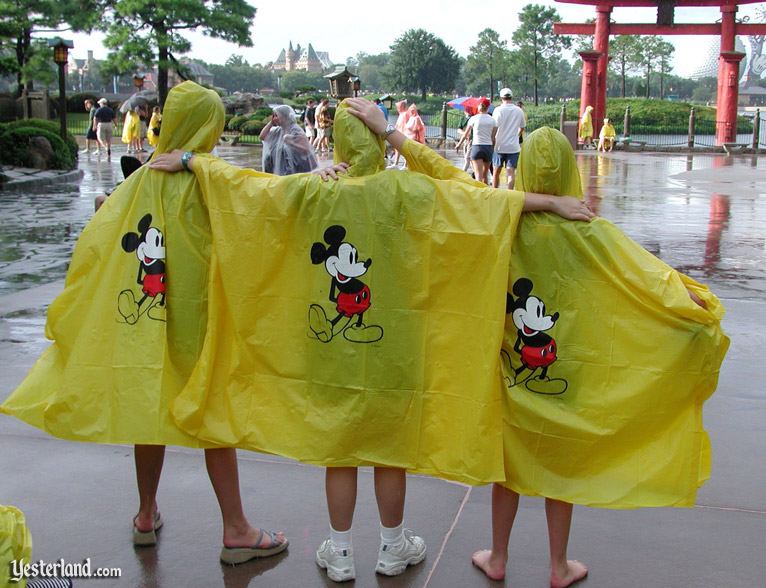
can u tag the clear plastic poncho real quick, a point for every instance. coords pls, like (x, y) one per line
(286, 149)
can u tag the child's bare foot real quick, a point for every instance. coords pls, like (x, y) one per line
(574, 572)
(495, 570)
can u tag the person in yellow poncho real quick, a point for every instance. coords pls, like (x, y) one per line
(586, 128)
(348, 389)
(131, 129)
(609, 412)
(154, 127)
(129, 327)
(606, 136)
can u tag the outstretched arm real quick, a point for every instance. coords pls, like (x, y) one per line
(564, 206)
(171, 162)
(372, 116)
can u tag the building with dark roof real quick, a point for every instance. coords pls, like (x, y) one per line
(298, 58)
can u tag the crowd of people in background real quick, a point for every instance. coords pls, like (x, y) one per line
(490, 137)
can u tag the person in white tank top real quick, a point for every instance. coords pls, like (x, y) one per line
(483, 128)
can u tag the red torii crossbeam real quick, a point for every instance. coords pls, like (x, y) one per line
(593, 89)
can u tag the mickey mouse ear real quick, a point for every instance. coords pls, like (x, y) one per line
(318, 253)
(145, 223)
(334, 234)
(522, 287)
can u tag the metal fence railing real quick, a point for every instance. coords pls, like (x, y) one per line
(535, 122)
(699, 132)
(80, 126)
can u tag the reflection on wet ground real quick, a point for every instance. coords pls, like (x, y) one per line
(703, 214)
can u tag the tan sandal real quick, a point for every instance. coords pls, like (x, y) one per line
(238, 555)
(146, 538)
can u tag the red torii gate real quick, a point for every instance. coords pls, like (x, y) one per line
(593, 90)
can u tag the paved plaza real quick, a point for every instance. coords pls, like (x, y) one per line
(704, 214)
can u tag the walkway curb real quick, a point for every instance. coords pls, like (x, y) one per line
(39, 178)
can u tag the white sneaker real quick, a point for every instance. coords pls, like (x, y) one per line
(96, 151)
(338, 563)
(84, 150)
(394, 559)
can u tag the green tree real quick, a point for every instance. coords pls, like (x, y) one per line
(236, 61)
(654, 54)
(292, 80)
(372, 70)
(422, 62)
(149, 31)
(665, 52)
(19, 21)
(236, 75)
(488, 60)
(536, 41)
(565, 79)
(706, 90)
(624, 51)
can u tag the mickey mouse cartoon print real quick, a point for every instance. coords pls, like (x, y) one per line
(535, 347)
(149, 245)
(351, 295)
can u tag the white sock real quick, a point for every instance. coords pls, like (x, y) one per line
(392, 535)
(340, 539)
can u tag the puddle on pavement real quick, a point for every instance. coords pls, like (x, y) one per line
(709, 225)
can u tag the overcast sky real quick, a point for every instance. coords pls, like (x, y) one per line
(372, 27)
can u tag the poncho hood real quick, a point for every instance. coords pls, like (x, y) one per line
(193, 120)
(357, 145)
(547, 165)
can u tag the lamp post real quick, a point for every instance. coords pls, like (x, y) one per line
(138, 81)
(61, 49)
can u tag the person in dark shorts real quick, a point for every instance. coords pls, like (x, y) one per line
(484, 128)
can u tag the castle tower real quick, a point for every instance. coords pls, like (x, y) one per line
(290, 58)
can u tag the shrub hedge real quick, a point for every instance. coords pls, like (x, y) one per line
(76, 102)
(14, 143)
(15, 150)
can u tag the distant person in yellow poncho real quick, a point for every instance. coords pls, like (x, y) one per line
(606, 136)
(345, 414)
(154, 127)
(129, 326)
(131, 129)
(594, 416)
(586, 128)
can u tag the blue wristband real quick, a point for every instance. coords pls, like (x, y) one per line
(185, 159)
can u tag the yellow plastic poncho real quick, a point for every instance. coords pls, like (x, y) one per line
(250, 273)
(628, 358)
(606, 135)
(130, 323)
(131, 127)
(154, 123)
(15, 545)
(355, 322)
(586, 123)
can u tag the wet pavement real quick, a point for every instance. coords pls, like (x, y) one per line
(704, 214)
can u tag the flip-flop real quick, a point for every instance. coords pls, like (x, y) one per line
(238, 555)
(146, 538)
